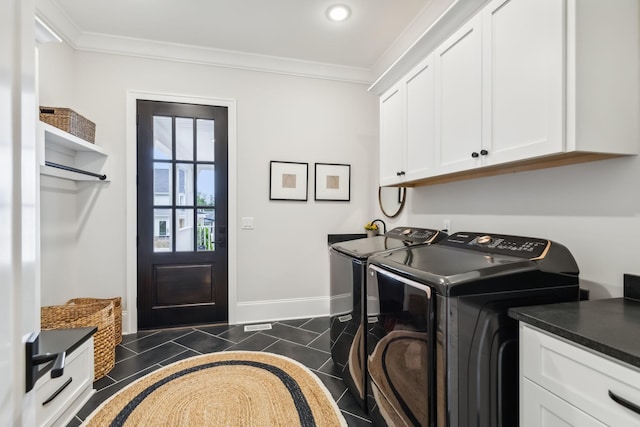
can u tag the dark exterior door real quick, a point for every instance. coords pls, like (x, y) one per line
(182, 214)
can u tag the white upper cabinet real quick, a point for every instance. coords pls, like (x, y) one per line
(419, 88)
(392, 138)
(407, 127)
(521, 85)
(458, 92)
(523, 69)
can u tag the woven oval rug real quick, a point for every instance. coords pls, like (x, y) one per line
(235, 388)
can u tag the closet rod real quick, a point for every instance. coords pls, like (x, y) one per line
(69, 168)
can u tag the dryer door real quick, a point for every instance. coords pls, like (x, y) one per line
(400, 350)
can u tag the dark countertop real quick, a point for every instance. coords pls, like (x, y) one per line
(609, 326)
(337, 238)
(59, 340)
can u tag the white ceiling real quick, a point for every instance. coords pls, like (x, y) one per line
(292, 29)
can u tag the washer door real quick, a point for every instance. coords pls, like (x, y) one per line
(400, 350)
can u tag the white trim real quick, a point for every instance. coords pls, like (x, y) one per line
(131, 210)
(64, 26)
(284, 309)
(94, 42)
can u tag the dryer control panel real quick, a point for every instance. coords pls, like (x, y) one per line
(413, 234)
(518, 246)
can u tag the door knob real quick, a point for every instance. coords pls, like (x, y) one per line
(484, 152)
(475, 155)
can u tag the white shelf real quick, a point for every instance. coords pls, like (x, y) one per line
(58, 146)
(55, 136)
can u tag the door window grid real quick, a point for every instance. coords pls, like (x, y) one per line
(188, 176)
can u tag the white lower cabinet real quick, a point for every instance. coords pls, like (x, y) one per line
(565, 384)
(59, 399)
(545, 409)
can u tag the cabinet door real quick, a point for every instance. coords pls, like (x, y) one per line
(522, 57)
(419, 88)
(392, 137)
(458, 99)
(540, 408)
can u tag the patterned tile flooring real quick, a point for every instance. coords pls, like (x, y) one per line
(304, 340)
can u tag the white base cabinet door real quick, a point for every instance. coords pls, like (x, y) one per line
(541, 408)
(587, 382)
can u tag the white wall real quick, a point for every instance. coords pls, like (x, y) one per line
(592, 208)
(279, 117)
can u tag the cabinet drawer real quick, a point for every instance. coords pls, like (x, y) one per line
(541, 408)
(580, 376)
(56, 395)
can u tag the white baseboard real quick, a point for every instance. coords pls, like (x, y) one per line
(285, 309)
(269, 311)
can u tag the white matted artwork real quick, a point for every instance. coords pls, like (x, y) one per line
(333, 182)
(288, 181)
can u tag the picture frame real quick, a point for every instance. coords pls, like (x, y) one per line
(288, 181)
(333, 182)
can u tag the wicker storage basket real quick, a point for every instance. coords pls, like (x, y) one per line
(69, 121)
(117, 313)
(83, 315)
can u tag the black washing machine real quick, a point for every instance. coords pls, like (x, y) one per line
(348, 263)
(441, 350)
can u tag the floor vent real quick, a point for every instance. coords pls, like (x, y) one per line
(260, 327)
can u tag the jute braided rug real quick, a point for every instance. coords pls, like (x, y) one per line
(236, 388)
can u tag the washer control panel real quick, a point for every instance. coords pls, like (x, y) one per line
(413, 234)
(523, 247)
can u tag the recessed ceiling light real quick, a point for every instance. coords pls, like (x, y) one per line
(338, 12)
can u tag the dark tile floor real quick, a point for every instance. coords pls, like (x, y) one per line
(304, 340)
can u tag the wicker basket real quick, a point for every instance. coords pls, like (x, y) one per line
(83, 315)
(69, 121)
(117, 313)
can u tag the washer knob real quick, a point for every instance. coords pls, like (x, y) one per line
(483, 240)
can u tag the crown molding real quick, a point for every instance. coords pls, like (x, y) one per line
(55, 17)
(94, 42)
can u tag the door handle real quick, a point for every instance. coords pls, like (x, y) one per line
(222, 233)
(33, 359)
(624, 402)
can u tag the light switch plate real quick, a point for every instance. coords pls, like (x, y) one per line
(247, 223)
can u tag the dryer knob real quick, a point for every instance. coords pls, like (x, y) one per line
(483, 240)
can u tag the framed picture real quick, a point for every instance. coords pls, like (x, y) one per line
(333, 182)
(288, 181)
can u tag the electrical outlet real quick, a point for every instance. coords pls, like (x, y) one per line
(446, 226)
(247, 223)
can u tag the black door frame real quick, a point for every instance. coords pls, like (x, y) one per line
(131, 313)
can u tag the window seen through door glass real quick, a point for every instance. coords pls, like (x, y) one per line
(162, 138)
(162, 184)
(162, 230)
(205, 140)
(184, 184)
(184, 138)
(206, 228)
(184, 230)
(206, 188)
(184, 204)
